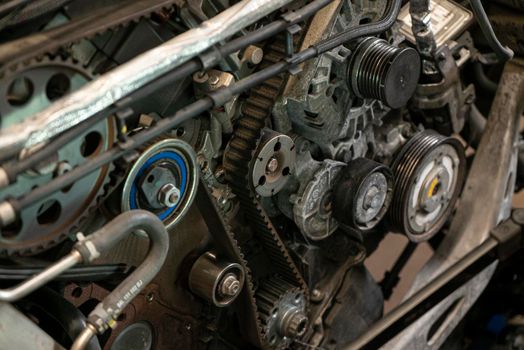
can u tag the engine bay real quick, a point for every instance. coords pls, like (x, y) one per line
(214, 174)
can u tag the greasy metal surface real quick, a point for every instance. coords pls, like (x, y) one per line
(78, 200)
(19, 332)
(119, 82)
(480, 206)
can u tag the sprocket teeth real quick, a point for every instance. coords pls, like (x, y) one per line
(237, 162)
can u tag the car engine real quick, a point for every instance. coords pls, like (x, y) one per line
(214, 174)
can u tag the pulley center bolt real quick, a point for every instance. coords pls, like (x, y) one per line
(272, 165)
(169, 195)
(372, 199)
(229, 286)
(293, 323)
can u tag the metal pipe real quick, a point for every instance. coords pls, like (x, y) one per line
(118, 83)
(504, 53)
(108, 310)
(32, 284)
(82, 341)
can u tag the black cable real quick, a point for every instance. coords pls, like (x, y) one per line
(214, 99)
(15, 168)
(504, 53)
(19, 166)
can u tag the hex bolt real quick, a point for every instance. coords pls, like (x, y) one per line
(214, 80)
(229, 285)
(272, 165)
(169, 195)
(200, 77)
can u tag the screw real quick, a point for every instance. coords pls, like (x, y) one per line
(317, 295)
(150, 297)
(169, 195)
(272, 165)
(229, 286)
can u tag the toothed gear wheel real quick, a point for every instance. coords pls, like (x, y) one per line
(23, 92)
(282, 310)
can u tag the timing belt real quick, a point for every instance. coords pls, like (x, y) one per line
(241, 151)
(226, 240)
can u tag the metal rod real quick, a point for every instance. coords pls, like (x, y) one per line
(32, 284)
(84, 338)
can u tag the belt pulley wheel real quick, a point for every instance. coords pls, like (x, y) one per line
(47, 222)
(429, 174)
(163, 180)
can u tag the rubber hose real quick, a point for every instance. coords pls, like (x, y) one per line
(504, 53)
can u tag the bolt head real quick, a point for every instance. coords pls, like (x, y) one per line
(213, 80)
(254, 54)
(372, 198)
(229, 286)
(272, 165)
(169, 195)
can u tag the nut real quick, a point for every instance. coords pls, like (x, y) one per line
(169, 195)
(229, 286)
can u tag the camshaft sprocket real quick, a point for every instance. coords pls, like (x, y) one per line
(30, 88)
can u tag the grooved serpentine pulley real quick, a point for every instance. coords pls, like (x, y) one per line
(429, 173)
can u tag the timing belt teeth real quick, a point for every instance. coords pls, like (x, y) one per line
(241, 150)
(222, 232)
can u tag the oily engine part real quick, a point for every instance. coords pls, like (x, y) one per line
(283, 312)
(429, 173)
(273, 163)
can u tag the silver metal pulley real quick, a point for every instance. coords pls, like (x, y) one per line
(163, 180)
(429, 173)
